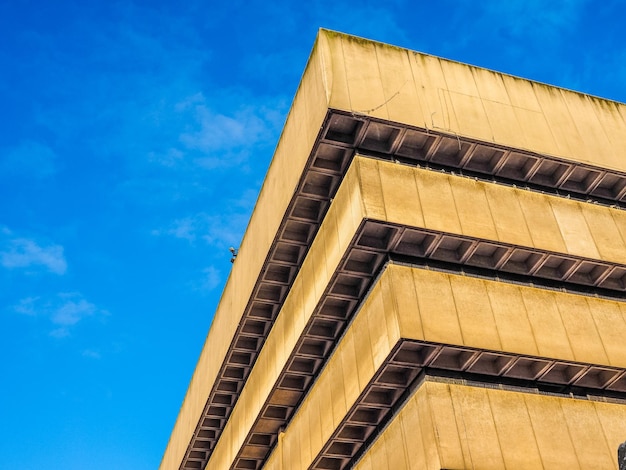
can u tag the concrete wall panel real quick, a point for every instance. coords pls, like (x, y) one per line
(515, 216)
(496, 429)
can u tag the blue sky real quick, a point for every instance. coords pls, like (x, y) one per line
(134, 138)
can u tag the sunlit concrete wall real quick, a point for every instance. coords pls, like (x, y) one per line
(399, 85)
(453, 425)
(433, 306)
(447, 425)
(377, 80)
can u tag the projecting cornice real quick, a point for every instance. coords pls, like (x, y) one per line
(388, 83)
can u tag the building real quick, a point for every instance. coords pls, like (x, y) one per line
(433, 277)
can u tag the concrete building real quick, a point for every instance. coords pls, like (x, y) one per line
(433, 278)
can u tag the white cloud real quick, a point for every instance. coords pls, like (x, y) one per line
(225, 229)
(198, 142)
(90, 353)
(59, 333)
(218, 131)
(217, 140)
(25, 253)
(212, 279)
(26, 306)
(64, 311)
(72, 310)
(219, 229)
(185, 228)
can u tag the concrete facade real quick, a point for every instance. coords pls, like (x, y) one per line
(433, 277)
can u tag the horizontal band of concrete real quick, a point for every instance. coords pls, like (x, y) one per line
(441, 202)
(395, 84)
(483, 160)
(447, 425)
(490, 315)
